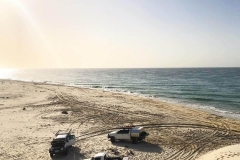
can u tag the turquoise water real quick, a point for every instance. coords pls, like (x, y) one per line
(215, 89)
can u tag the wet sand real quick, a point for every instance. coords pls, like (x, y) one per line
(30, 114)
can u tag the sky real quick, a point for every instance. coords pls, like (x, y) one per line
(119, 33)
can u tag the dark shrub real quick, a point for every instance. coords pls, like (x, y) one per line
(64, 112)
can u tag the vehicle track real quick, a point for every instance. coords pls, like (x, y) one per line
(72, 101)
(108, 116)
(196, 146)
(105, 114)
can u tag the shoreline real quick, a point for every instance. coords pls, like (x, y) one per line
(224, 113)
(175, 131)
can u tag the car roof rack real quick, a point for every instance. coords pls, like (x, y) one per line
(126, 127)
(63, 132)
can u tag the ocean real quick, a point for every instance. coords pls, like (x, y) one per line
(213, 89)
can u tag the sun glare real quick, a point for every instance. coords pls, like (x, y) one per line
(47, 45)
(6, 73)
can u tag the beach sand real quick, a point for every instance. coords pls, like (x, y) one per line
(30, 115)
(226, 153)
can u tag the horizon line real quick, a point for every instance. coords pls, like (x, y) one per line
(126, 68)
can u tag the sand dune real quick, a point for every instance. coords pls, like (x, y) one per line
(31, 114)
(226, 153)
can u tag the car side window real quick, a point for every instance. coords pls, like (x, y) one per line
(120, 132)
(125, 131)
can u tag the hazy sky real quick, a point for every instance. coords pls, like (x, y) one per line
(119, 33)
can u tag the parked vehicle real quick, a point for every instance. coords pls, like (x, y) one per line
(132, 133)
(62, 142)
(104, 156)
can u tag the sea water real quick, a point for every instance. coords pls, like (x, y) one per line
(212, 89)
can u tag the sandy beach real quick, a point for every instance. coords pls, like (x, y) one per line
(31, 113)
(226, 153)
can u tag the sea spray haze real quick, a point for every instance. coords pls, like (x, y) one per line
(216, 89)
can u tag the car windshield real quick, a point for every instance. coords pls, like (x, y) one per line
(58, 142)
(59, 139)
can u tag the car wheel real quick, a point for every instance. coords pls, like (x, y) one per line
(113, 140)
(51, 154)
(134, 141)
(66, 152)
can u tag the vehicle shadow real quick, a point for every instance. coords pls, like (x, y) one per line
(140, 146)
(73, 154)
